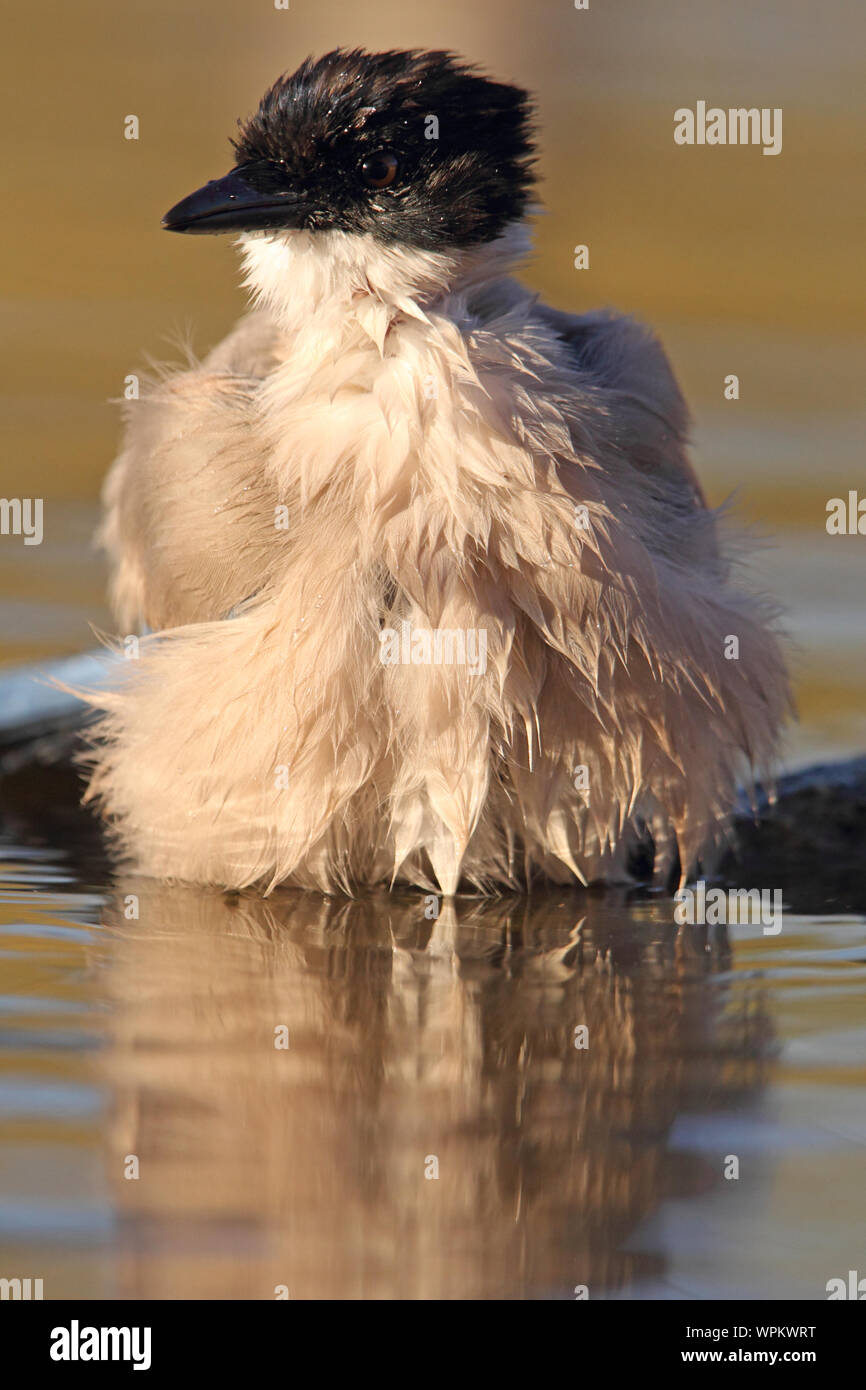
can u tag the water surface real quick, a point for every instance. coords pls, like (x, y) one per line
(411, 1039)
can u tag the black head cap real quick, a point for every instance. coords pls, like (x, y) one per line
(415, 148)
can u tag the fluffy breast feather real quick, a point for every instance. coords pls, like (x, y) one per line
(474, 463)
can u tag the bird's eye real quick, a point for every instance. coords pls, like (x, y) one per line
(380, 170)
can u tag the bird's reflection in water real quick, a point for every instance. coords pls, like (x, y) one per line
(310, 1167)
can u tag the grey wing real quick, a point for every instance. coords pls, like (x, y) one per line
(651, 418)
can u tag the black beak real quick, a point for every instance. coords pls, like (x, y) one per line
(232, 204)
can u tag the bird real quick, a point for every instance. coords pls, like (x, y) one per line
(429, 590)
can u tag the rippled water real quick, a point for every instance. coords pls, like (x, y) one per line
(410, 1040)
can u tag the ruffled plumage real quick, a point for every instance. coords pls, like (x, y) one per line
(401, 437)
